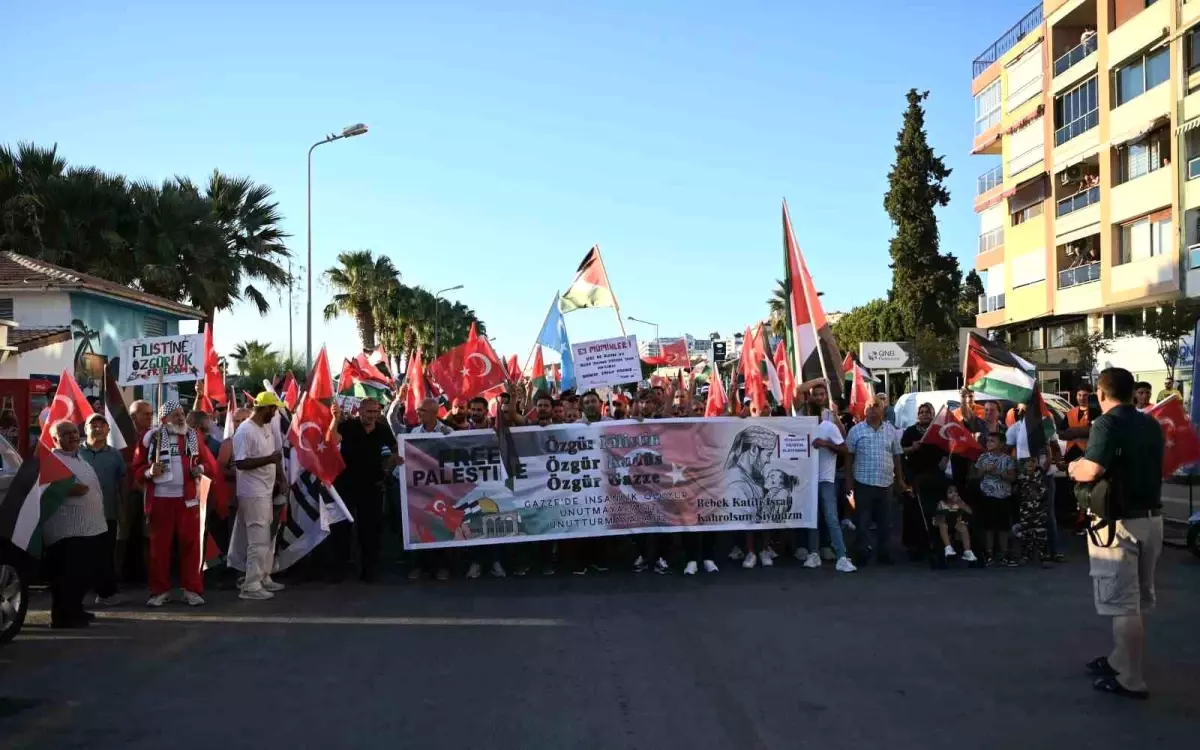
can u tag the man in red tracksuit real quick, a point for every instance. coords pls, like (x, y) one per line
(168, 463)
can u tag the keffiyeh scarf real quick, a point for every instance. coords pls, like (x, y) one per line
(166, 438)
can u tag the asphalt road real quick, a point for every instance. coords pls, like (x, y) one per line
(784, 658)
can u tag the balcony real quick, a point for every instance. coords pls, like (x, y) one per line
(1145, 277)
(1079, 275)
(1141, 195)
(991, 240)
(1082, 199)
(990, 304)
(1193, 257)
(1077, 127)
(993, 178)
(1008, 40)
(1075, 55)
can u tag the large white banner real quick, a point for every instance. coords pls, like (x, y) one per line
(166, 359)
(609, 478)
(607, 362)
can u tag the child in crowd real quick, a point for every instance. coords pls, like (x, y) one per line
(1031, 492)
(952, 510)
(778, 495)
(996, 471)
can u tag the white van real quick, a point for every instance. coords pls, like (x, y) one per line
(906, 405)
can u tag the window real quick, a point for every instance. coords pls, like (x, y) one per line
(1026, 147)
(1142, 74)
(1027, 213)
(987, 108)
(1075, 112)
(1061, 335)
(1143, 239)
(1028, 340)
(1191, 50)
(1024, 77)
(6, 308)
(152, 326)
(1027, 202)
(1141, 157)
(1026, 269)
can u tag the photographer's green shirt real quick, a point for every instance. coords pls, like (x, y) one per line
(1129, 445)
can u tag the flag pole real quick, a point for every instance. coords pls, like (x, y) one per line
(808, 292)
(616, 305)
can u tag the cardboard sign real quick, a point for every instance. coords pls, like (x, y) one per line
(166, 359)
(607, 362)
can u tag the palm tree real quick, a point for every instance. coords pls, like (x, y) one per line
(250, 354)
(778, 305)
(362, 283)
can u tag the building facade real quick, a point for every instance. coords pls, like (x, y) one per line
(1089, 113)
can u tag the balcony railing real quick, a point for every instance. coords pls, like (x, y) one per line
(1079, 275)
(1076, 127)
(1008, 40)
(1193, 256)
(990, 304)
(1075, 55)
(1082, 199)
(993, 178)
(1193, 167)
(991, 240)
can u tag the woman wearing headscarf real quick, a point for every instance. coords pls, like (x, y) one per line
(924, 470)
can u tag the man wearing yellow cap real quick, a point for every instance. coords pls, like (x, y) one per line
(258, 459)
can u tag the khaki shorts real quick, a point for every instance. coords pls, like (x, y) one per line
(1123, 574)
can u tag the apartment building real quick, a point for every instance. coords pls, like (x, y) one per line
(1089, 215)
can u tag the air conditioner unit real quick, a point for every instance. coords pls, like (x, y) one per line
(1073, 173)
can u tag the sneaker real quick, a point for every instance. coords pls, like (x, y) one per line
(770, 554)
(548, 570)
(750, 561)
(474, 571)
(736, 553)
(661, 567)
(801, 553)
(158, 600)
(192, 599)
(827, 554)
(844, 565)
(989, 562)
(847, 524)
(969, 556)
(497, 570)
(241, 581)
(520, 571)
(272, 586)
(813, 560)
(639, 565)
(414, 574)
(596, 568)
(690, 568)
(580, 572)
(766, 560)
(110, 601)
(443, 574)
(711, 567)
(950, 551)
(1009, 562)
(259, 594)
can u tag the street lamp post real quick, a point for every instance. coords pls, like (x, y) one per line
(437, 309)
(347, 132)
(639, 320)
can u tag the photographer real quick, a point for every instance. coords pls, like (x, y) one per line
(1122, 475)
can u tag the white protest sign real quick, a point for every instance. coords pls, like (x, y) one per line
(166, 359)
(607, 362)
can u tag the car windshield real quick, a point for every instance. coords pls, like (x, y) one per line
(10, 460)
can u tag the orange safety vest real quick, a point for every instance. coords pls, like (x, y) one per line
(1078, 417)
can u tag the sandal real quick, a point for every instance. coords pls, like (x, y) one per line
(1099, 667)
(1111, 686)
(1059, 558)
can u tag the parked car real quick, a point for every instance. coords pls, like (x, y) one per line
(16, 566)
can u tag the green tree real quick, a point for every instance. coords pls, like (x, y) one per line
(935, 353)
(925, 282)
(878, 320)
(361, 283)
(777, 304)
(1168, 325)
(256, 361)
(968, 299)
(410, 318)
(1089, 347)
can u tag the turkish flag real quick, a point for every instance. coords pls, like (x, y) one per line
(369, 371)
(717, 403)
(861, 394)
(69, 403)
(950, 435)
(214, 379)
(673, 354)
(450, 517)
(291, 392)
(787, 383)
(469, 369)
(320, 380)
(415, 380)
(514, 369)
(1181, 446)
(309, 436)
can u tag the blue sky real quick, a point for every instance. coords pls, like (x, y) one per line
(507, 138)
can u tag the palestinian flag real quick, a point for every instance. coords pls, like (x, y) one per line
(37, 491)
(355, 381)
(540, 383)
(814, 351)
(590, 287)
(993, 370)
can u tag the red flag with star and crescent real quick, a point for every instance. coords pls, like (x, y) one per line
(952, 436)
(309, 434)
(214, 379)
(320, 380)
(1181, 446)
(69, 403)
(469, 369)
(671, 354)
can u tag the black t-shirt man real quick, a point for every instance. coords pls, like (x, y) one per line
(363, 452)
(1129, 445)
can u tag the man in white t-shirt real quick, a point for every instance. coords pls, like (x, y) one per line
(259, 464)
(829, 444)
